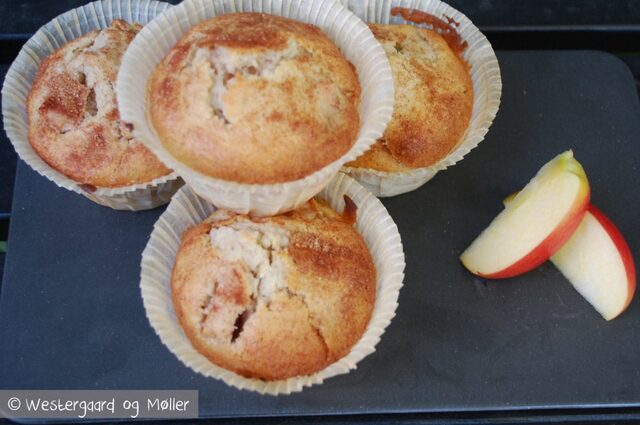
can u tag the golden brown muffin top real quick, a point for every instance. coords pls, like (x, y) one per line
(275, 297)
(433, 100)
(74, 124)
(255, 98)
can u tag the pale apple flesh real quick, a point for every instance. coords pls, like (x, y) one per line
(538, 221)
(598, 263)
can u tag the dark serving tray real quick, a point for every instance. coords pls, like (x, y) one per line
(71, 315)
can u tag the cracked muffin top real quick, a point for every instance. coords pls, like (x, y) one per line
(255, 98)
(277, 297)
(74, 124)
(433, 100)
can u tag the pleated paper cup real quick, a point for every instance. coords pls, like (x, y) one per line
(187, 209)
(350, 34)
(487, 88)
(46, 40)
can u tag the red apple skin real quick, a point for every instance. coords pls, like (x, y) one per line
(550, 245)
(622, 247)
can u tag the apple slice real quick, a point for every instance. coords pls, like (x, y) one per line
(598, 263)
(531, 228)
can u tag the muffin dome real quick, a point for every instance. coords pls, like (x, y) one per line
(433, 100)
(276, 297)
(255, 98)
(74, 124)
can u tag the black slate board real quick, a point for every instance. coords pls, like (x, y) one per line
(8, 158)
(71, 315)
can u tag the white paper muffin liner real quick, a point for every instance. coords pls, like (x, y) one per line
(487, 88)
(350, 34)
(45, 41)
(187, 209)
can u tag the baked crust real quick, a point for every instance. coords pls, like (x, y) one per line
(296, 303)
(433, 100)
(255, 98)
(74, 123)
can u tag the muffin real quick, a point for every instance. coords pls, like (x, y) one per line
(433, 100)
(255, 98)
(73, 119)
(278, 297)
